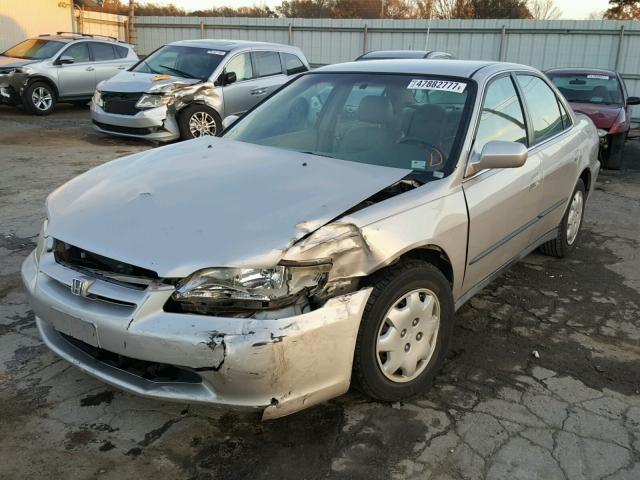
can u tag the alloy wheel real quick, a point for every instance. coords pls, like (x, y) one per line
(42, 99)
(201, 124)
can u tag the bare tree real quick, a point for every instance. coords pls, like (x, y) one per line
(596, 15)
(544, 10)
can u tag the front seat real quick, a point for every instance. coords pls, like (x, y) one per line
(376, 113)
(427, 124)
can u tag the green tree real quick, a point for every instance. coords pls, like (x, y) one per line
(623, 10)
(500, 9)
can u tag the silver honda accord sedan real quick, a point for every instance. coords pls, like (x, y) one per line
(327, 238)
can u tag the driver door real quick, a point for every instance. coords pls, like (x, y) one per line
(503, 204)
(77, 79)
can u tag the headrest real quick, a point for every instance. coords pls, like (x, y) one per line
(375, 109)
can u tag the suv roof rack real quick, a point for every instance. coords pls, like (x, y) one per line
(88, 35)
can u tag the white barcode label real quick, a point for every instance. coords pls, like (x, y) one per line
(598, 77)
(445, 85)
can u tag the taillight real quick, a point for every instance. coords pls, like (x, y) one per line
(620, 124)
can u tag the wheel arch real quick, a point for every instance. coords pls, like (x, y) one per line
(433, 254)
(47, 80)
(585, 176)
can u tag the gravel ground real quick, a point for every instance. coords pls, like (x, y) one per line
(495, 412)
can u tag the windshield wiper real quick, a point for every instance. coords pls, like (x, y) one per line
(319, 154)
(179, 72)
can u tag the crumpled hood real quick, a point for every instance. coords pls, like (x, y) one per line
(14, 62)
(208, 202)
(602, 116)
(144, 82)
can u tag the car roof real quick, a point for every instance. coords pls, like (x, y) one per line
(396, 54)
(578, 70)
(449, 68)
(68, 38)
(228, 45)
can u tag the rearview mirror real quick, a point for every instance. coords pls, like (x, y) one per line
(499, 154)
(633, 101)
(65, 60)
(228, 121)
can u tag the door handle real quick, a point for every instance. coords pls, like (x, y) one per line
(534, 184)
(259, 91)
(90, 69)
(121, 67)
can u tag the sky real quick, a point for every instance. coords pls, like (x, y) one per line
(571, 9)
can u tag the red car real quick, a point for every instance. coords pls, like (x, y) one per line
(602, 95)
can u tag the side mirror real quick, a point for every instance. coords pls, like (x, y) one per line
(498, 154)
(633, 100)
(228, 121)
(65, 60)
(227, 78)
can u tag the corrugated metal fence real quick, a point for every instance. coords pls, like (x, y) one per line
(541, 43)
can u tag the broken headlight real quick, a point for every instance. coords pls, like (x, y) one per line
(97, 99)
(248, 288)
(151, 100)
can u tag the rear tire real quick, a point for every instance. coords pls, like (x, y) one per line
(569, 228)
(612, 156)
(198, 121)
(39, 98)
(405, 331)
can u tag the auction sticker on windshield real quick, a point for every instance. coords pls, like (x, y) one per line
(445, 85)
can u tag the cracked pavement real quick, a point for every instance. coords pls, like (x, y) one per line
(496, 411)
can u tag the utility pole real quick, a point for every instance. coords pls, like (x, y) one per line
(131, 25)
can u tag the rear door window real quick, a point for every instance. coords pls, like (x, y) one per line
(102, 52)
(543, 107)
(266, 63)
(292, 64)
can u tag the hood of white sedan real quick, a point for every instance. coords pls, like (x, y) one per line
(209, 202)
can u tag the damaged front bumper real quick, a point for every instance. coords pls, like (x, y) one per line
(280, 366)
(155, 124)
(12, 87)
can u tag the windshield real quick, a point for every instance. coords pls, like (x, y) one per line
(403, 121)
(589, 88)
(34, 49)
(179, 61)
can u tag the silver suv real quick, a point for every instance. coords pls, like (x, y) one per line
(65, 67)
(185, 89)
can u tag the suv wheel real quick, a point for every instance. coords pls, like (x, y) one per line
(199, 121)
(39, 98)
(569, 227)
(405, 331)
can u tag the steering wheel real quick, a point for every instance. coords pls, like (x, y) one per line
(439, 160)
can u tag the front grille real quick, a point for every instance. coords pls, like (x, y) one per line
(152, 371)
(121, 129)
(102, 267)
(120, 102)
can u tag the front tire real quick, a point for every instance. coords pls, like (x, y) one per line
(199, 121)
(612, 156)
(405, 331)
(39, 98)
(569, 228)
